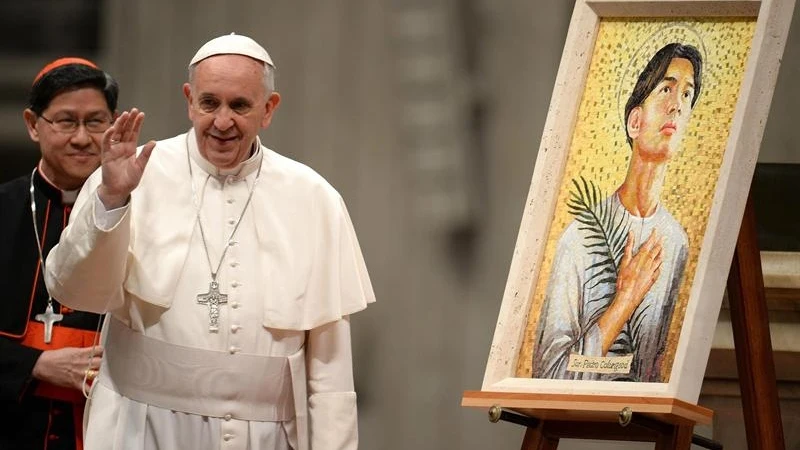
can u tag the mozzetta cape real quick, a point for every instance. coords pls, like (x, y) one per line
(294, 268)
(316, 272)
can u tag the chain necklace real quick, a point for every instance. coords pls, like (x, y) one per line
(49, 317)
(213, 298)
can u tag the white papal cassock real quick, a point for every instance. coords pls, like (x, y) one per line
(278, 372)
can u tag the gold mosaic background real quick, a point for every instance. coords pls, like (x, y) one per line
(600, 153)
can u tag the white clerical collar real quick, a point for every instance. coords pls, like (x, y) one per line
(67, 197)
(242, 170)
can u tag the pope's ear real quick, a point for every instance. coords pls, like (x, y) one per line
(634, 122)
(269, 109)
(30, 123)
(187, 92)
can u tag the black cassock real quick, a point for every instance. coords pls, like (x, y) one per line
(34, 415)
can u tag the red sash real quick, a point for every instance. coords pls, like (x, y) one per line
(62, 337)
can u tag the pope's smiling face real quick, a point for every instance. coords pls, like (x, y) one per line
(228, 104)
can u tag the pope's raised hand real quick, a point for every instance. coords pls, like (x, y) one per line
(122, 168)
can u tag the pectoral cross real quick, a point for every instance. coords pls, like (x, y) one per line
(48, 319)
(213, 298)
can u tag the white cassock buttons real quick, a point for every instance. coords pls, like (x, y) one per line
(235, 305)
(236, 284)
(231, 201)
(234, 349)
(227, 436)
(235, 328)
(231, 221)
(228, 417)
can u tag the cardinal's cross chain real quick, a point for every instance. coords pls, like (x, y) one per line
(213, 298)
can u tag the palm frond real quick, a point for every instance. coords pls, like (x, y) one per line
(604, 230)
(600, 224)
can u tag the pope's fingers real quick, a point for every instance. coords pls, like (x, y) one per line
(113, 135)
(121, 121)
(144, 155)
(130, 131)
(123, 124)
(136, 126)
(107, 138)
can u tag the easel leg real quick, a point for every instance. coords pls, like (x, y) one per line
(536, 439)
(762, 415)
(680, 438)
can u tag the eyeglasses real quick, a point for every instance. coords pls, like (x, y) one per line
(70, 125)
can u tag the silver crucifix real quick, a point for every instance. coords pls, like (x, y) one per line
(213, 298)
(48, 319)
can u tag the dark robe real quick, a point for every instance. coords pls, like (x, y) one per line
(34, 414)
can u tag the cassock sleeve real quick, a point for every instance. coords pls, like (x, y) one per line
(16, 368)
(86, 269)
(333, 421)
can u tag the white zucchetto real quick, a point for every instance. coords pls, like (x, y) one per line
(232, 44)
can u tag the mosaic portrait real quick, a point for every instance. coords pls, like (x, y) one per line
(633, 204)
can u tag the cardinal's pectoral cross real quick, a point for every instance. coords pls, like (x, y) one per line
(213, 298)
(48, 319)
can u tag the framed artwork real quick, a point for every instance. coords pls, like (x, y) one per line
(639, 187)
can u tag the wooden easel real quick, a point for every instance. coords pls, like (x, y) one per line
(756, 367)
(669, 423)
(549, 417)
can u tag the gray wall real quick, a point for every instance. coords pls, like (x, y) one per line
(426, 115)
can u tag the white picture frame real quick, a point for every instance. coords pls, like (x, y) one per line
(772, 18)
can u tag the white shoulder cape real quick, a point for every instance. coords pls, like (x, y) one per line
(313, 269)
